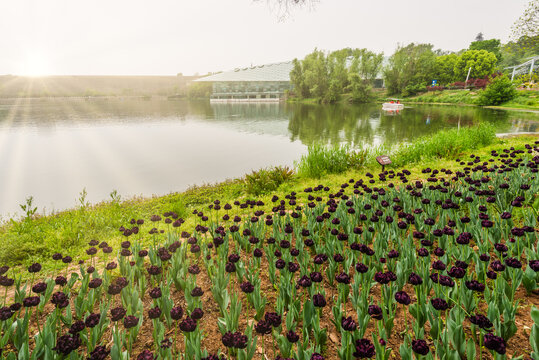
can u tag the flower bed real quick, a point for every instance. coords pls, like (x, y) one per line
(446, 266)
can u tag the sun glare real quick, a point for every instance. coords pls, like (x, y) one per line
(35, 65)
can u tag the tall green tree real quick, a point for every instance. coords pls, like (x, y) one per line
(492, 45)
(410, 69)
(526, 29)
(445, 68)
(482, 62)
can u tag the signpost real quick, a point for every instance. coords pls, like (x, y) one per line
(383, 160)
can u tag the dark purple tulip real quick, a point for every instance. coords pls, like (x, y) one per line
(475, 285)
(319, 300)
(304, 281)
(176, 313)
(280, 264)
(34, 268)
(292, 337)
(497, 266)
(364, 349)
(456, 272)
(482, 321)
(420, 347)
(484, 257)
(5, 313)
(240, 340)
(343, 278)
(534, 265)
(230, 267)
(439, 304)
(513, 263)
(57, 256)
(67, 259)
(348, 324)
(155, 293)
(439, 252)
(446, 281)
(130, 321)
(197, 314)
(92, 320)
(95, 283)
(60, 300)
(500, 247)
(273, 318)
(77, 327)
(317, 356)
(402, 298)
(117, 314)
(67, 343)
(316, 277)
(228, 339)
(492, 275)
(247, 287)
(99, 353)
(154, 313)
(361, 268)
(197, 291)
(39, 288)
(146, 354)
(415, 279)
(375, 312)
(493, 342)
(263, 327)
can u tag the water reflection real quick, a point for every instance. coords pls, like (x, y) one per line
(52, 149)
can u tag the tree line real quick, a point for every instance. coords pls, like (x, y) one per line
(327, 76)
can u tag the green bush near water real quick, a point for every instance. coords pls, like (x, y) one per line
(321, 160)
(500, 90)
(265, 180)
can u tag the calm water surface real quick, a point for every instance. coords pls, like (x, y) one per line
(53, 149)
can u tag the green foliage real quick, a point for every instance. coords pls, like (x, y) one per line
(360, 90)
(410, 67)
(445, 68)
(500, 90)
(199, 90)
(482, 63)
(322, 160)
(326, 77)
(445, 144)
(265, 180)
(492, 45)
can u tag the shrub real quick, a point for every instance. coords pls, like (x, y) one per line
(322, 160)
(500, 90)
(264, 180)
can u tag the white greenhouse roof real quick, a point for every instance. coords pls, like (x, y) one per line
(268, 72)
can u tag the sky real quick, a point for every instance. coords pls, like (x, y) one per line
(165, 37)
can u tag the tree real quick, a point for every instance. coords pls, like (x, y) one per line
(527, 24)
(479, 37)
(526, 28)
(297, 79)
(492, 45)
(482, 63)
(410, 69)
(445, 68)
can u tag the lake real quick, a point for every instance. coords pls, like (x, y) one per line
(52, 149)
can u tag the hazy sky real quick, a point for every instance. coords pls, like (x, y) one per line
(164, 37)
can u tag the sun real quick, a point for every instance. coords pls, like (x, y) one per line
(35, 64)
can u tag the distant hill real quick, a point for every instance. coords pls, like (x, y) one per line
(75, 85)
